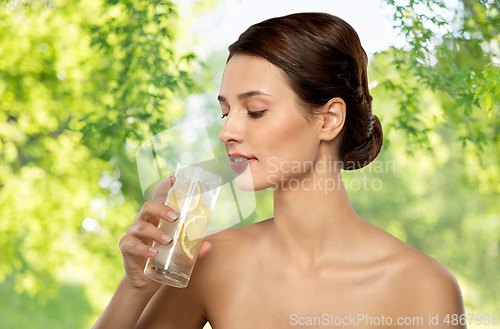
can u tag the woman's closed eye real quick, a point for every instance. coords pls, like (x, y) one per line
(255, 114)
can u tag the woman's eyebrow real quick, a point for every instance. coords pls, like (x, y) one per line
(247, 94)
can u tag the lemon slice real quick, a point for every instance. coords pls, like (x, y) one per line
(191, 233)
(180, 197)
(205, 211)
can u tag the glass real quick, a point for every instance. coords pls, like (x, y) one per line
(193, 197)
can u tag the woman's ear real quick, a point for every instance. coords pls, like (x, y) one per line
(333, 118)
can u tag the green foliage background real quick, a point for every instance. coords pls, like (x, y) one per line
(82, 86)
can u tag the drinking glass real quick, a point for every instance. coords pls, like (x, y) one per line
(193, 197)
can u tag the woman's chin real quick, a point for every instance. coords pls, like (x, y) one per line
(245, 182)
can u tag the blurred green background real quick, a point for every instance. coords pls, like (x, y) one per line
(83, 85)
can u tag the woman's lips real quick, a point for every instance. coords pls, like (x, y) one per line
(241, 165)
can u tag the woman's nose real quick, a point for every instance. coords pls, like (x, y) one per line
(232, 131)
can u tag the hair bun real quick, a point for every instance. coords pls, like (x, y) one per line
(362, 155)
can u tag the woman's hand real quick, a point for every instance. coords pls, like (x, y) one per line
(136, 244)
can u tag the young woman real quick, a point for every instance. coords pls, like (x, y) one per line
(296, 103)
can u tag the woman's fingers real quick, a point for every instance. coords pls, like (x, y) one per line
(132, 246)
(132, 243)
(156, 208)
(147, 231)
(161, 191)
(151, 211)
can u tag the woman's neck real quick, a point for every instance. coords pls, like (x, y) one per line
(314, 220)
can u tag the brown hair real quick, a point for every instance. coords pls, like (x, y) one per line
(322, 58)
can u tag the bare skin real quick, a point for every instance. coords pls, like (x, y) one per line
(315, 258)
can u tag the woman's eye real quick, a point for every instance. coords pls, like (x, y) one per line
(254, 115)
(257, 114)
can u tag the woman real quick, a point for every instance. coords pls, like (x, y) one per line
(295, 99)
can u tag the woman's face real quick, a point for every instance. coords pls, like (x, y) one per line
(264, 123)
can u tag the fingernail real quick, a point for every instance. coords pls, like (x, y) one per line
(172, 215)
(172, 179)
(153, 250)
(166, 238)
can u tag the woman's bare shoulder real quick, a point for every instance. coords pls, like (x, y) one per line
(231, 247)
(246, 233)
(425, 283)
(231, 241)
